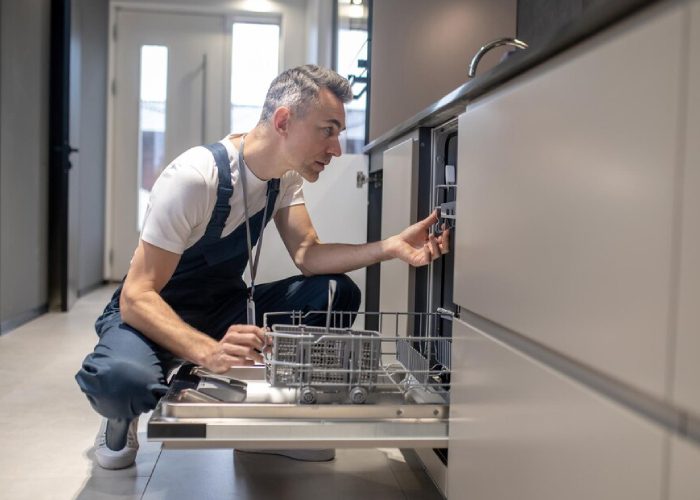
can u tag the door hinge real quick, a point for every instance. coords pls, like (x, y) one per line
(111, 258)
(114, 32)
(114, 87)
(375, 178)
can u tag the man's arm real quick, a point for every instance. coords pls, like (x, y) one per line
(143, 308)
(415, 245)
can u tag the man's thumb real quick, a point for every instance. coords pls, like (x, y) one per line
(430, 220)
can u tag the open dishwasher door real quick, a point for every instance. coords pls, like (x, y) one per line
(320, 388)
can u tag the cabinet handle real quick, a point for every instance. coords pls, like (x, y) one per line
(513, 42)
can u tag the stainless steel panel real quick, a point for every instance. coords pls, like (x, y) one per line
(567, 178)
(519, 430)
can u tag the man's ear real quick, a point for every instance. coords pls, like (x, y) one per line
(281, 120)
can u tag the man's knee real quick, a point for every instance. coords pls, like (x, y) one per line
(347, 295)
(119, 387)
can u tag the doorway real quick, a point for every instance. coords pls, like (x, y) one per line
(169, 94)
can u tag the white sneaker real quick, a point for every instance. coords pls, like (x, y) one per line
(111, 459)
(323, 455)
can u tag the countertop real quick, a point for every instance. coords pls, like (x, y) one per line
(593, 21)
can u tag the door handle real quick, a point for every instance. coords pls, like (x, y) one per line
(65, 150)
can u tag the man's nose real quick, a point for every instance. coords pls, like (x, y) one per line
(334, 148)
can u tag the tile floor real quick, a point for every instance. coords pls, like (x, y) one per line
(47, 429)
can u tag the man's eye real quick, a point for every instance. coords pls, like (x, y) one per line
(327, 131)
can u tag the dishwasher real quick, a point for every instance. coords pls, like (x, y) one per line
(337, 386)
(320, 387)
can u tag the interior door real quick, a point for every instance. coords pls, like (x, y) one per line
(169, 95)
(64, 135)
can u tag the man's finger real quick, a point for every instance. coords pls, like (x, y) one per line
(248, 339)
(429, 220)
(247, 328)
(242, 352)
(260, 332)
(434, 249)
(445, 242)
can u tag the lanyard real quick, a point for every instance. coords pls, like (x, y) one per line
(250, 310)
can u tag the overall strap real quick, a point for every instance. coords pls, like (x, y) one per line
(224, 191)
(273, 189)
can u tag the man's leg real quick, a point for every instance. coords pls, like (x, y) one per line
(302, 293)
(122, 378)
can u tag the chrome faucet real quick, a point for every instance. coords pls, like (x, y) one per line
(513, 42)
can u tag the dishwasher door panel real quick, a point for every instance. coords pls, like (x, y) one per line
(271, 418)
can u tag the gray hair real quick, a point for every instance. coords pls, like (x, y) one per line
(298, 87)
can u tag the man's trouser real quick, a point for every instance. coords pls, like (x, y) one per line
(125, 375)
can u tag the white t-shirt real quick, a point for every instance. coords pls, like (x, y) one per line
(183, 197)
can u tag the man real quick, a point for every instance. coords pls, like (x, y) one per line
(183, 296)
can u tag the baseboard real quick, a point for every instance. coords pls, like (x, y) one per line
(92, 287)
(22, 318)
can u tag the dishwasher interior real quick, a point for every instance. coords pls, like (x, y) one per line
(435, 286)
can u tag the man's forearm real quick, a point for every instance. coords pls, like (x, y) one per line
(147, 312)
(332, 258)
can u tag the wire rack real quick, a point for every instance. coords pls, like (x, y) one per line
(400, 356)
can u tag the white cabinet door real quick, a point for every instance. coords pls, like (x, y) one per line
(567, 179)
(338, 210)
(398, 212)
(519, 430)
(684, 480)
(686, 390)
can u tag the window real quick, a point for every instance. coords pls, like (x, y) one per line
(254, 64)
(352, 62)
(152, 104)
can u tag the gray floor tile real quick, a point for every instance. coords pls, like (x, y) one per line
(112, 488)
(200, 474)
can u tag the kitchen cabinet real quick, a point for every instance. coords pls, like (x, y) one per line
(687, 346)
(566, 199)
(519, 430)
(684, 479)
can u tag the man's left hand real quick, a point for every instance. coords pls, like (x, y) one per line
(417, 246)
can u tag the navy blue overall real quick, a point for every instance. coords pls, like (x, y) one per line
(125, 375)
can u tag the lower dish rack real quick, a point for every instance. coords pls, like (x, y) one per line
(323, 384)
(354, 363)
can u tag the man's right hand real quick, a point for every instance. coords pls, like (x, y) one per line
(242, 345)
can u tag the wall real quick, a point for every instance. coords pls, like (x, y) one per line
(24, 101)
(94, 22)
(319, 32)
(421, 52)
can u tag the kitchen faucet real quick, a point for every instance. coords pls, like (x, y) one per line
(513, 42)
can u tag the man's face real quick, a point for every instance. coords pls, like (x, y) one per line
(313, 139)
